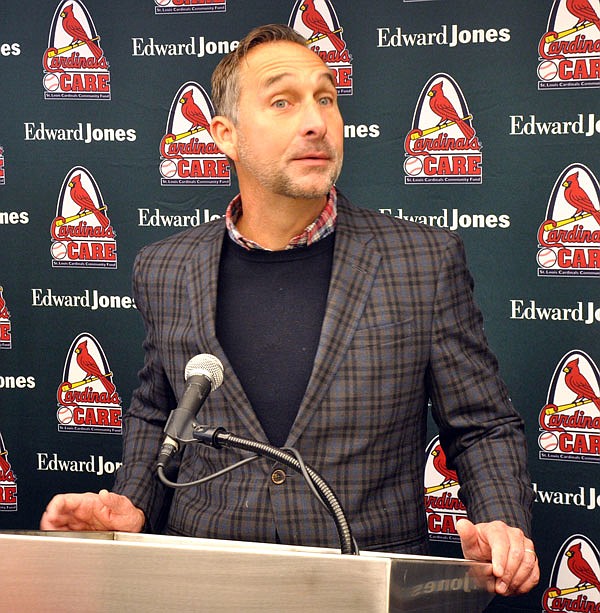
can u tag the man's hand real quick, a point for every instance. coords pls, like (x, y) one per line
(89, 511)
(512, 554)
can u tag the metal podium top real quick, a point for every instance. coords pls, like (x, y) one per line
(102, 572)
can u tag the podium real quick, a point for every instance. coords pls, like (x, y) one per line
(106, 572)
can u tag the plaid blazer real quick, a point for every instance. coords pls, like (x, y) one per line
(401, 332)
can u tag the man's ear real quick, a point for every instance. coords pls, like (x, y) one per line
(224, 134)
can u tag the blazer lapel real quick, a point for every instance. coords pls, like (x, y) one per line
(354, 268)
(203, 274)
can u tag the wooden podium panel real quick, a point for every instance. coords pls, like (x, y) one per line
(105, 572)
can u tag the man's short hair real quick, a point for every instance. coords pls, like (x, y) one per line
(225, 80)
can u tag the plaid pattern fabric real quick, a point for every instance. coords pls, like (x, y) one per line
(323, 226)
(400, 328)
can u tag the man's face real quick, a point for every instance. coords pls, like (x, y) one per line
(289, 133)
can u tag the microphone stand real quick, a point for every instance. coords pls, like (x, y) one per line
(218, 438)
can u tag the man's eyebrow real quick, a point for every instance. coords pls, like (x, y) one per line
(327, 75)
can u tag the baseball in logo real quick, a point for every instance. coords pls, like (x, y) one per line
(569, 238)
(317, 21)
(82, 235)
(165, 7)
(188, 154)
(87, 397)
(8, 481)
(5, 327)
(569, 52)
(442, 505)
(570, 420)
(574, 582)
(74, 63)
(442, 145)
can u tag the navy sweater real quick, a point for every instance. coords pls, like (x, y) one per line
(270, 309)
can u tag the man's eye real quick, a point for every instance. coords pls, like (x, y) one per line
(280, 104)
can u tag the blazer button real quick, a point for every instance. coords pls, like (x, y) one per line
(278, 476)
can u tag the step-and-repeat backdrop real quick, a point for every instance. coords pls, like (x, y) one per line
(481, 117)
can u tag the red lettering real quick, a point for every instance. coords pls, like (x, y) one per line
(199, 168)
(90, 416)
(579, 443)
(8, 494)
(579, 69)
(579, 258)
(452, 165)
(84, 251)
(86, 82)
(343, 76)
(4, 332)
(442, 524)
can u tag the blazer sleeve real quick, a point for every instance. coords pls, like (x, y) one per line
(146, 416)
(480, 431)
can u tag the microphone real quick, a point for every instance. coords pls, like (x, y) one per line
(203, 374)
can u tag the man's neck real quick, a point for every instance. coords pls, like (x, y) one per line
(273, 224)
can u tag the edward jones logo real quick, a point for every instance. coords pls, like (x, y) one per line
(189, 6)
(569, 238)
(317, 21)
(189, 156)
(442, 505)
(82, 235)
(8, 481)
(87, 397)
(574, 583)
(570, 420)
(442, 146)
(569, 52)
(74, 63)
(5, 328)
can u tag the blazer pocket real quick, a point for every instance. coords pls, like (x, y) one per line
(382, 336)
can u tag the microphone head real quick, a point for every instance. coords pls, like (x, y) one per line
(208, 365)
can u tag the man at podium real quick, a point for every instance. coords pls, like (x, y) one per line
(337, 326)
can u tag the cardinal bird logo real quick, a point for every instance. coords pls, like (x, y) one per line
(313, 20)
(192, 112)
(444, 109)
(439, 462)
(87, 363)
(578, 384)
(583, 11)
(581, 568)
(82, 198)
(73, 27)
(576, 196)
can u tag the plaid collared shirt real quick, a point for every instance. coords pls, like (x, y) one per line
(318, 229)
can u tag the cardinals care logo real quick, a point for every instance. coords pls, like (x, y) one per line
(317, 22)
(570, 420)
(87, 397)
(569, 52)
(2, 170)
(8, 481)
(188, 154)
(442, 146)
(442, 504)
(82, 235)
(189, 6)
(574, 583)
(569, 238)
(5, 328)
(74, 63)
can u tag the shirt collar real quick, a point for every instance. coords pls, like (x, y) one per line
(317, 230)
